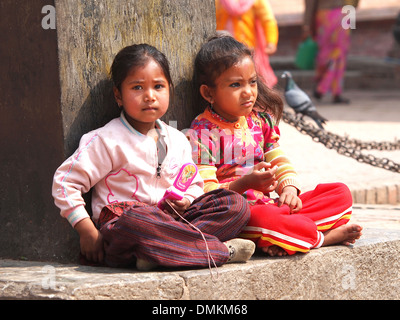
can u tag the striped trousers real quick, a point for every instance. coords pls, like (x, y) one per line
(133, 230)
(326, 207)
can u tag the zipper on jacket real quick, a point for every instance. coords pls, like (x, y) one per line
(158, 176)
(161, 153)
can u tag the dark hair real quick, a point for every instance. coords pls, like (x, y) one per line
(217, 55)
(135, 56)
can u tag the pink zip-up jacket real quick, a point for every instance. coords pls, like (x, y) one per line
(120, 164)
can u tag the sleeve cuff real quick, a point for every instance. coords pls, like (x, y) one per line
(75, 215)
(289, 182)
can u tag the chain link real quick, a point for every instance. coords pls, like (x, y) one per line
(345, 146)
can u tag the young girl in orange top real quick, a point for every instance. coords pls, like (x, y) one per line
(235, 144)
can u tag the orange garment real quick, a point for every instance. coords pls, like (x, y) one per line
(244, 25)
(252, 23)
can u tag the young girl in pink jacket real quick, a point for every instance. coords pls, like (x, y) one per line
(130, 163)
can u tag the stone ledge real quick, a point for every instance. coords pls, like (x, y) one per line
(385, 194)
(368, 270)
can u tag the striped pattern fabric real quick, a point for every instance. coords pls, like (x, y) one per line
(136, 230)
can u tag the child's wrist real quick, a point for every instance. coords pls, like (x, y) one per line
(240, 185)
(291, 189)
(85, 227)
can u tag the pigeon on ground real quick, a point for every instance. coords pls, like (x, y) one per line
(300, 102)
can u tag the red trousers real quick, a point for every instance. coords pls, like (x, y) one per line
(328, 206)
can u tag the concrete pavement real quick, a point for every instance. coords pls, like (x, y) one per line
(368, 270)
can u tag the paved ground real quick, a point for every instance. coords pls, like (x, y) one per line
(377, 216)
(368, 270)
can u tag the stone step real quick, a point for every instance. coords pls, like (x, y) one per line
(385, 194)
(370, 269)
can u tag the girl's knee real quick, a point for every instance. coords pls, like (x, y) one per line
(342, 187)
(337, 190)
(344, 192)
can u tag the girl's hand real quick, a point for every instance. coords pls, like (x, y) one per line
(91, 240)
(262, 178)
(176, 205)
(289, 197)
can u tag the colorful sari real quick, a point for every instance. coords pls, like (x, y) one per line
(333, 45)
(241, 10)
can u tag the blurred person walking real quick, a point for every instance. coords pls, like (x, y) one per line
(323, 22)
(253, 23)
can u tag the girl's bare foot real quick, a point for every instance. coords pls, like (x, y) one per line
(346, 234)
(274, 251)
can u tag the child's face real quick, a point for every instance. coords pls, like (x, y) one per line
(235, 90)
(144, 96)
